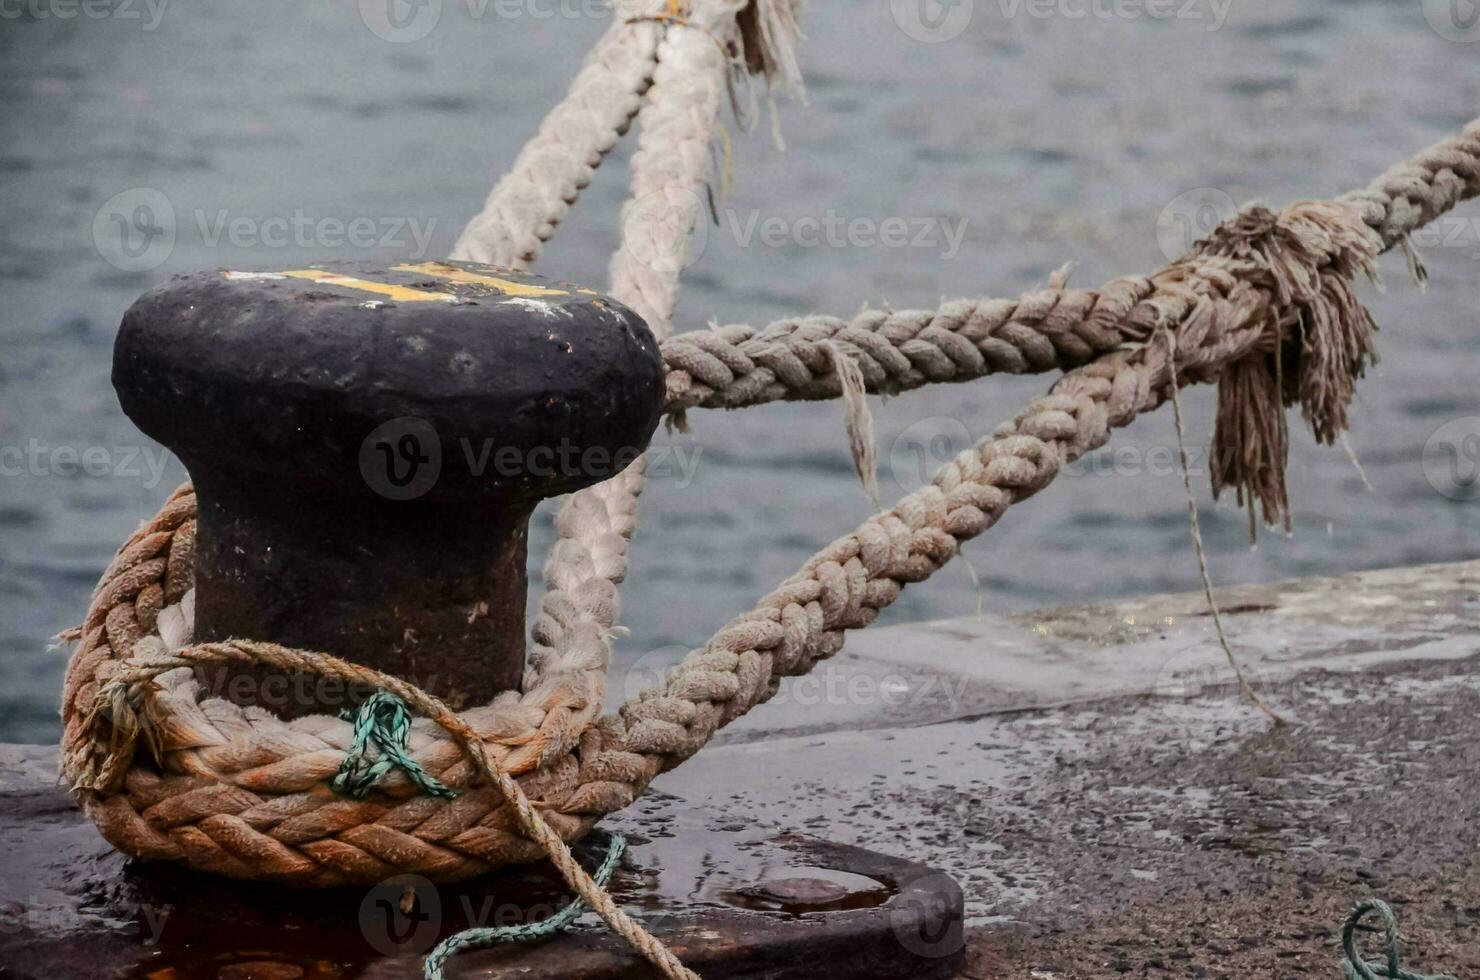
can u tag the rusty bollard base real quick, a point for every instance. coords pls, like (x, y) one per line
(731, 898)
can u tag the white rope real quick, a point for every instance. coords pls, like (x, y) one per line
(525, 206)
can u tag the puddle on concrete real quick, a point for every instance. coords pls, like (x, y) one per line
(802, 890)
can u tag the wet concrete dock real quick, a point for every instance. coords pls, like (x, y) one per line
(1109, 806)
(1087, 775)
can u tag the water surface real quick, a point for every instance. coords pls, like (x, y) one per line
(1051, 138)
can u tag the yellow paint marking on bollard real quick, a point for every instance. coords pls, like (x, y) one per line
(451, 273)
(404, 294)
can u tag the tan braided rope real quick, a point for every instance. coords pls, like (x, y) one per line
(737, 365)
(578, 611)
(243, 793)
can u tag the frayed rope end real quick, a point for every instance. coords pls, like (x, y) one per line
(1319, 340)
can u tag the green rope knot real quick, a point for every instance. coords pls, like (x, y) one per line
(481, 936)
(383, 721)
(1355, 968)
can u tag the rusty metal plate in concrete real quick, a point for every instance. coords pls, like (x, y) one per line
(734, 899)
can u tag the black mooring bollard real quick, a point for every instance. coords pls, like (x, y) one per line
(367, 445)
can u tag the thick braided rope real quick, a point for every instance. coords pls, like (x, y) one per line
(587, 562)
(525, 206)
(131, 684)
(240, 792)
(672, 164)
(1048, 330)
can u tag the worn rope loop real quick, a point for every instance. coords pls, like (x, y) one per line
(384, 721)
(1354, 967)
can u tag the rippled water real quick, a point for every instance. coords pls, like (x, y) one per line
(1051, 138)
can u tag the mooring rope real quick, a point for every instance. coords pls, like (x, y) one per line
(383, 721)
(534, 196)
(1356, 968)
(240, 792)
(128, 693)
(1054, 329)
(224, 767)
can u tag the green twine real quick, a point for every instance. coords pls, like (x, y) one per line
(481, 936)
(382, 720)
(1355, 968)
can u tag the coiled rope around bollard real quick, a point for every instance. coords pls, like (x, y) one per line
(382, 721)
